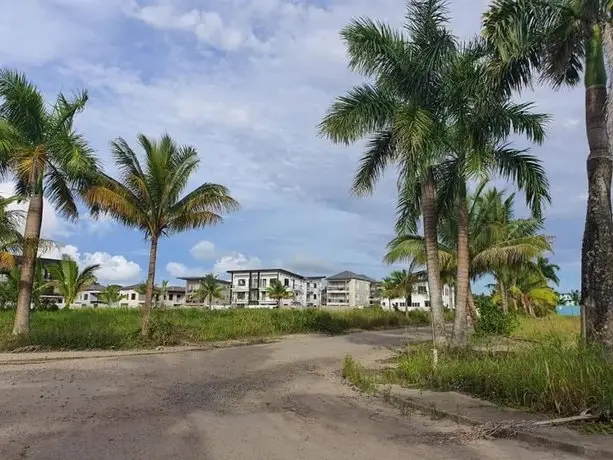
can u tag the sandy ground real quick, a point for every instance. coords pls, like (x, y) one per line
(276, 401)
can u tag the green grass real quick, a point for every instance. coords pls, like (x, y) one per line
(119, 328)
(360, 377)
(547, 329)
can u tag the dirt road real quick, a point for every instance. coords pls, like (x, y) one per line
(276, 401)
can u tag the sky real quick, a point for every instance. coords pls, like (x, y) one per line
(246, 82)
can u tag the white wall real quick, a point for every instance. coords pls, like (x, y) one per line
(419, 299)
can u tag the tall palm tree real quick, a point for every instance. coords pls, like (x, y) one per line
(404, 282)
(111, 295)
(403, 113)
(47, 158)
(562, 41)
(69, 280)
(149, 198)
(278, 292)
(209, 289)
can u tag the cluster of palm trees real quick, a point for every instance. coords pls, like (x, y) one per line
(442, 112)
(50, 161)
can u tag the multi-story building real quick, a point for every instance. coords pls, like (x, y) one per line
(248, 288)
(348, 290)
(133, 296)
(420, 298)
(192, 284)
(89, 297)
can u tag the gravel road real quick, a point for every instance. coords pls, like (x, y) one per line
(283, 401)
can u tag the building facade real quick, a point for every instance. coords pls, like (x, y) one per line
(193, 283)
(348, 290)
(248, 288)
(89, 297)
(420, 299)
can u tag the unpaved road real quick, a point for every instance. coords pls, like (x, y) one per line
(277, 401)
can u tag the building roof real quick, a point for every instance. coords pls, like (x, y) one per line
(198, 278)
(259, 270)
(347, 275)
(134, 287)
(94, 288)
(315, 277)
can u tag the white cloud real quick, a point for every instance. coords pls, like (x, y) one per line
(179, 270)
(204, 250)
(113, 268)
(98, 226)
(235, 261)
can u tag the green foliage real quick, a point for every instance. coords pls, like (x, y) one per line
(357, 375)
(9, 289)
(209, 289)
(117, 328)
(111, 295)
(69, 281)
(492, 320)
(277, 291)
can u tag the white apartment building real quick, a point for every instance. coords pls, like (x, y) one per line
(174, 297)
(420, 299)
(348, 290)
(192, 284)
(89, 297)
(248, 288)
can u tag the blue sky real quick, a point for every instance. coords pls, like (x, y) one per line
(246, 82)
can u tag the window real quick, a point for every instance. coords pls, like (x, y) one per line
(402, 304)
(286, 282)
(427, 303)
(422, 290)
(240, 296)
(314, 296)
(415, 304)
(169, 296)
(315, 285)
(446, 291)
(263, 283)
(293, 284)
(241, 282)
(132, 296)
(85, 296)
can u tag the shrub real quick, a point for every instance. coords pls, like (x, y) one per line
(492, 320)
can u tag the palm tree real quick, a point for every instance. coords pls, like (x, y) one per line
(111, 295)
(69, 281)
(563, 41)
(47, 158)
(9, 289)
(150, 198)
(404, 281)
(389, 291)
(278, 292)
(11, 238)
(402, 111)
(209, 289)
(162, 291)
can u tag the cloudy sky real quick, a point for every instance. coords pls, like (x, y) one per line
(246, 82)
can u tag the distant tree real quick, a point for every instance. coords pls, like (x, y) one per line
(69, 281)
(278, 292)
(576, 297)
(208, 290)
(9, 289)
(10, 237)
(389, 291)
(162, 292)
(404, 281)
(111, 295)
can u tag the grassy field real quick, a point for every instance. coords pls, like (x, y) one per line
(541, 368)
(119, 328)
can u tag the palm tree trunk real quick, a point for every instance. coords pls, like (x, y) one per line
(408, 300)
(462, 278)
(146, 309)
(34, 221)
(597, 249)
(504, 297)
(472, 310)
(432, 262)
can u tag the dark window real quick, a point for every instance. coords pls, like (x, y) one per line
(169, 296)
(427, 303)
(241, 282)
(286, 282)
(314, 296)
(293, 284)
(133, 297)
(85, 296)
(314, 285)
(422, 290)
(415, 304)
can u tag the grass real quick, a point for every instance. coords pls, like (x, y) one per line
(547, 372)
(119, 328)
(355, 373)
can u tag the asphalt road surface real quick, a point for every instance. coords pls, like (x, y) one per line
(280, 401)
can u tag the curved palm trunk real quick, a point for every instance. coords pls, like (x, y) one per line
(146, 309)
(462, 278)
(28, 264)
(597, 248)
(432, 262)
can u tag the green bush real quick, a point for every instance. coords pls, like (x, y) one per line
(492, 320)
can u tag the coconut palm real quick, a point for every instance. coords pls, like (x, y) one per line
(565, 42)
(45, 157)
(11, 238)
(389, 291)
(209, 289)
(278, 292)
(403, 282)
(149, 197)
(402, 111)
(111, 295)
(69, 280)
(9, 288)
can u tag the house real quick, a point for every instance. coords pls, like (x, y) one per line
(174, 297)
(248, 288)
(348, 290)
(132, 297)
(420, 298)
(89, 297)
(50, 295)
(192, 284)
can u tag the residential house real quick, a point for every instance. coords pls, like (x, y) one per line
(174, 297)
(348, 290)
(50, 295)
(89, 297)
(131, 296)
(193, 283)
(420, 298)
(248, 288)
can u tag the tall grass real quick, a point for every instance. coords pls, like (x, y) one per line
(550, 378)
(119, 328)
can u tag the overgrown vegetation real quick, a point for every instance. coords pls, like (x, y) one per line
(119, 328)
(492, 320)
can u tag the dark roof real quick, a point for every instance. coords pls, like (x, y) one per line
(134, 287)
(198, 278)
(347, 275)
(131, 287)
(315, 277)
(175, 288)
(259, 270)
(95, 287)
